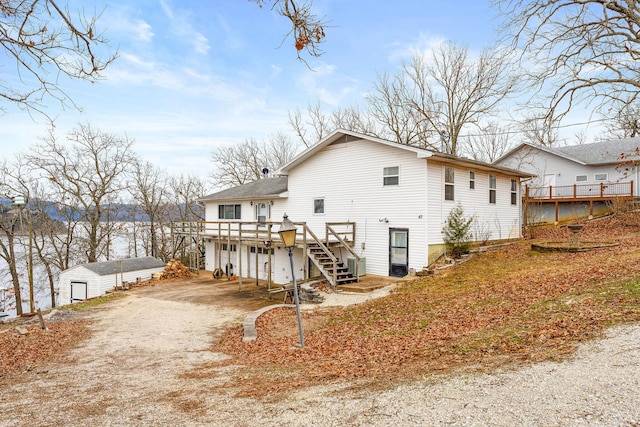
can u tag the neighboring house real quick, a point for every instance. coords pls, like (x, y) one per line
(371, 204)
(96, 278)
(575, 180)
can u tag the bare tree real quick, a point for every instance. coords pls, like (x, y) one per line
(489, 145)
(451, 90)
(12, 225)
(45, 41)
(390, 105)
(87, 174)
(185, 190)
(540, 130)
(320, 124)
(307, 29)
(243, 163)
(53, 250)
(150, 191)
(625, 121)
(318, 121)
(579, 50)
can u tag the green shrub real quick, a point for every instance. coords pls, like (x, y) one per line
(457, 232)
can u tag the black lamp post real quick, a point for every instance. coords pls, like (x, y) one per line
(287, 233)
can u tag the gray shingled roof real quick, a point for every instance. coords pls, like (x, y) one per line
(602, 152)
(268, 187)
(130, 264)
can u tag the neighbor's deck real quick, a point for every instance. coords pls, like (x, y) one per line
(577, 193)
(580, 192)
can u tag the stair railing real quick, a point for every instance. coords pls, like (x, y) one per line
(325, 249)
(346, 245)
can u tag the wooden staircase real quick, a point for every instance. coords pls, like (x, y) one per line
(332, 268)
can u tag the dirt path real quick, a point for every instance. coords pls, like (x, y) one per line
(128, 372)
(138, 370)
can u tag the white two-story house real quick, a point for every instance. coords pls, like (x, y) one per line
(361, 204)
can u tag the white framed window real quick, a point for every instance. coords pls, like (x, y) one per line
(449, 180)
(581, 178)
(472, 180)
(514, 192)
(391, 176)
(318, 206)
(600, 177)
(229, 211)
(492, 188)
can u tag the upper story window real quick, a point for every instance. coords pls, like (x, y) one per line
(492, 188)
(472, 180)
(229, 211)
(318, 206)
(514, 192)
(449, 177)
(601, 177)
(581, 178)
(391, 175)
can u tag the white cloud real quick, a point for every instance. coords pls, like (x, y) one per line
(183, 28)
(117, 20)
(143, 30)
(423, 45)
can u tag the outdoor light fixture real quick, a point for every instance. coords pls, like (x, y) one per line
(287, 233)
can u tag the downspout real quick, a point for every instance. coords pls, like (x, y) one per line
(425, 214)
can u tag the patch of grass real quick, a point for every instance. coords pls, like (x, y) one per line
(94, 302)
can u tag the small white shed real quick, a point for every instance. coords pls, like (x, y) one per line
(96, 278)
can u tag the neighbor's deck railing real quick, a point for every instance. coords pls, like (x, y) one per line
(580, 191)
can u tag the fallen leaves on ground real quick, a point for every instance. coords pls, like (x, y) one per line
(504, 306)
(26, 352)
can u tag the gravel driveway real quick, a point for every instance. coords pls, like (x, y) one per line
(138, 370)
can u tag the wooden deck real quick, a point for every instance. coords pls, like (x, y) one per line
(577, 193)
(580, 192)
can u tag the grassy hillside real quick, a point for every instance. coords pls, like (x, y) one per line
(503, 307)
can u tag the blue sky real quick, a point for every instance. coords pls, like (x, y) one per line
(193, 74)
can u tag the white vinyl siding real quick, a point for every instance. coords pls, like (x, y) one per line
(496, 221)
(354, 194)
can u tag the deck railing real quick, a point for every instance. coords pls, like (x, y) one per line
(581, 191)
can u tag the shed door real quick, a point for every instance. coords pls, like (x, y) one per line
(398, 252)
(78, 291)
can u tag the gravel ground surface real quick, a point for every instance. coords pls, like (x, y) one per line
(138, 370)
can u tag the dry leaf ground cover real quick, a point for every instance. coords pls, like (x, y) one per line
(503, 307)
